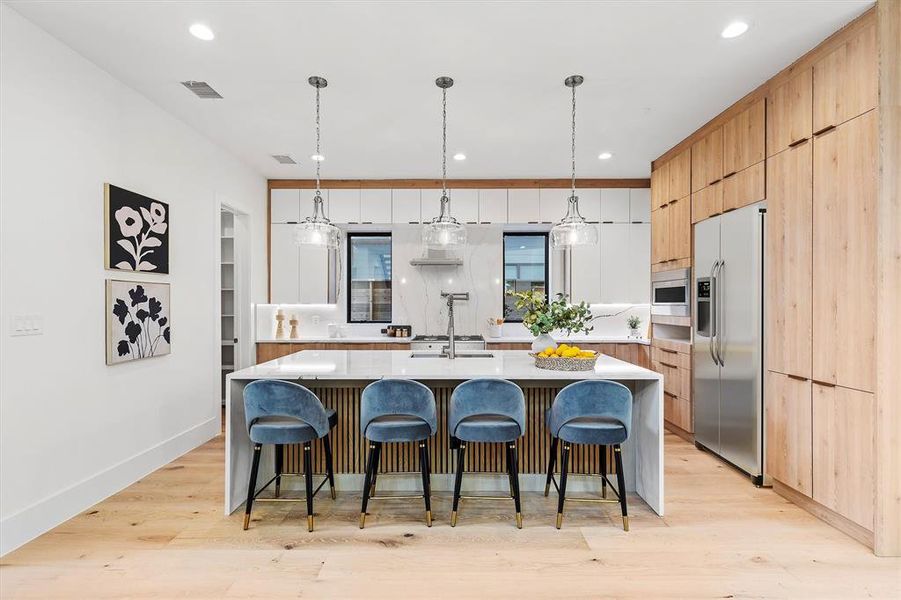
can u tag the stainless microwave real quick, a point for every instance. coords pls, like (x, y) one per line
(671, 293)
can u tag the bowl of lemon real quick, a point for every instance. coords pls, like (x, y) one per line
(565, 358)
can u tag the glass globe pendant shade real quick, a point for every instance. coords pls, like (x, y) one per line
(444, 231)
(317, 230)
(573, 229)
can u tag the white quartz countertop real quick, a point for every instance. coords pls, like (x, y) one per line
(351, 339)
(575, 339)
(370, 366)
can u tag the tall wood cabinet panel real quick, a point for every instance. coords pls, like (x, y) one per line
(660, 186)
(845, 82)
(789, 446)
(680, 175)
(707, 202)
(745, 187)
(707, 160)
(844, 253)
(744, 136)
(679, 229)
(658, 235)
(844, 452)
(789, 112)
(789, 258)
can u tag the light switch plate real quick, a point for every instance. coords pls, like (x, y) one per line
(26, 325)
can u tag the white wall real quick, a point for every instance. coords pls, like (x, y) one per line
(73, 430)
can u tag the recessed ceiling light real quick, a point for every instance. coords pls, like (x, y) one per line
(317, 157)
(605, 155)
(459, 156)
(734, 29)
(201, 31)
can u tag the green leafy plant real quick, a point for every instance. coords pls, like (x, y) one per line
(634, 321)
(541, 316)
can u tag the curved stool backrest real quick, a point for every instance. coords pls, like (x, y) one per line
(273, 398)
(397, 397)
(592, 398)
(487, 396)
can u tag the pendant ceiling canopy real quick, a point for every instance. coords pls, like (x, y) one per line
(317, 230)
(573, 229)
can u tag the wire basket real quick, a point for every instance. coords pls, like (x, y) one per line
(557, 363)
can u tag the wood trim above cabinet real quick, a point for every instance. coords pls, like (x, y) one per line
(308, 184)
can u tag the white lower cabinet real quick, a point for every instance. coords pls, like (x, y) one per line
(284, 265)
(375, 206)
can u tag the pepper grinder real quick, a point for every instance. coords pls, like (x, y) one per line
(280, 325)
(294, 321)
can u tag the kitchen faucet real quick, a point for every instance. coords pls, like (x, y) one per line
(450, 350)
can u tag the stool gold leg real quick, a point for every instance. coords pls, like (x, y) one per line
(309, 522)
(246, 522)
(362, 520)
(559, 520)
(625, 523)
(519, 520)
(454, 519)
(428, 518)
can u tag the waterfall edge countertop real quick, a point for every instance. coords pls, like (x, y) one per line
(369, 366)
(338, 375)
(505, 339)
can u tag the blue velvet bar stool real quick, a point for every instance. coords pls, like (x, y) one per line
(279, 413)
(491, 411)
(595, 412)
(397, 411)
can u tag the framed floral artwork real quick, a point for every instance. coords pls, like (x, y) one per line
(138, 324)
(136, 231)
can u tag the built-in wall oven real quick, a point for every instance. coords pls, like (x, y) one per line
(671, 293)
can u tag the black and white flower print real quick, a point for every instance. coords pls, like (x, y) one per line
(139, 321)
(137, 228)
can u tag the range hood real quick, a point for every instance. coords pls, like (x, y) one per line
(437, 258)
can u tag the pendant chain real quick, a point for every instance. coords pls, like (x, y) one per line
(444, 141)
(318, 153)
(574, 143)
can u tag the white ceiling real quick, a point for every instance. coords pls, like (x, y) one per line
(654, 72)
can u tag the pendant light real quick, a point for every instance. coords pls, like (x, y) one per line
(444, 231)
(317, 230)
(573, 229)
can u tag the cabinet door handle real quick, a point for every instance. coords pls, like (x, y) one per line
(669, 365)
(797, 377)
(797, 142)
(728, 175)
(826, 129)
(413, 222)
(717, 180)
(823, 383)
(666, 350)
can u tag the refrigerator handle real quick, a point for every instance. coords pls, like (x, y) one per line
(719, 325)
(713, 312)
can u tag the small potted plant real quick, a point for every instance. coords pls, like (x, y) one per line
(542, 317)
(634, 322)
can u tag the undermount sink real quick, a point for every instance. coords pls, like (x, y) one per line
(458, 355)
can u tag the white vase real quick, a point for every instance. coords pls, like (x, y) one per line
(634, 332)
(543, 341)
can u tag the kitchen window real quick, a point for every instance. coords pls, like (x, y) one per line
(369, 278)
(525, 268)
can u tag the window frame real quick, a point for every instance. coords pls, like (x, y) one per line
(547, 264)
(349, 277)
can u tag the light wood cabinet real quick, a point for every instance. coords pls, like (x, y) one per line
(267, 351)
(660, 186)
(679, 229)
(745, 187)
(845, 81)
(844, 253)
(844, 452)
(658, 236)
(790, 112)
(789, 257)
(744, 138)
(707, 202)
(673, 361)
(789, 449)
(680, 175)
(707, 160)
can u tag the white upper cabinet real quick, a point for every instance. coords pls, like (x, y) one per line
(585, 272)
(285, 207)
(314, 273)
(405, 206)
(589, 204)
(552, 204)
(375, 206)
(639, 260)
(465, 205)
(344, 205)
(615, 271)
(430, 203)
(306, 203)
(493, 206)
(284, 265)
(615, 205)
(522, 205)
(640, 205)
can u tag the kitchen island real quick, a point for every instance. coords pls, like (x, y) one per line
(339, 376)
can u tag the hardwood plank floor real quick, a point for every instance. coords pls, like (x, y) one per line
(165, 537)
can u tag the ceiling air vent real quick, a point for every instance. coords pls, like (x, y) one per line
(284, 159)
(201, 89)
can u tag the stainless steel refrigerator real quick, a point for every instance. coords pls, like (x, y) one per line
(728, 337)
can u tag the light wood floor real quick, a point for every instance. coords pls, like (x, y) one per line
(166, 537)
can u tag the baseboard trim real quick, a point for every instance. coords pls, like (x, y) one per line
(843, 524)
(675, 429)
(22, 527)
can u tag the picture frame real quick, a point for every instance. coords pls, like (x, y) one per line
(138, 320)
(135, 231)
